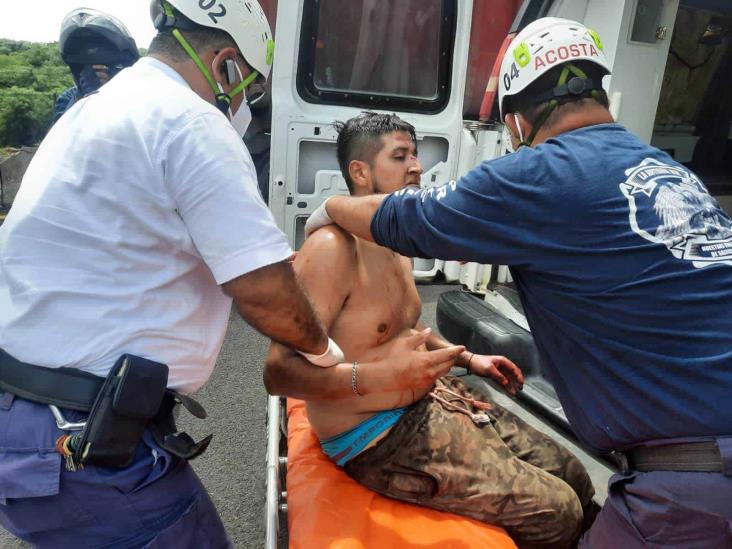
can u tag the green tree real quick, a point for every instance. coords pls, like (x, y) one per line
(31, 76)
(25, 116)
(16, 75)
(13, 46)
(52, 79)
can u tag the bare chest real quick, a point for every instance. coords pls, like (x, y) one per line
(383, 302)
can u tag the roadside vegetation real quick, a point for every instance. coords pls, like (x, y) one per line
(31, 76)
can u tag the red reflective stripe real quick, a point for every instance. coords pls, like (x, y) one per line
(491, 90)
(336, 458)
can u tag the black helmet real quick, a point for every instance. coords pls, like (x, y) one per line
(90, 37)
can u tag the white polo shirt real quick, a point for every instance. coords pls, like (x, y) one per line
(139, 203)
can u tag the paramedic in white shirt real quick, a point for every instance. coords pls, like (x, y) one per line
(139, 208)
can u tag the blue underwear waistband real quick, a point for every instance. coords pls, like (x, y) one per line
(345, 446)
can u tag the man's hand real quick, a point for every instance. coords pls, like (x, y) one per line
(319, 218)
(102, 73)
(402, 365)
(353, 214)
(499, 369)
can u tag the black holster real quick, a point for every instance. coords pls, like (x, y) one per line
(130, 397)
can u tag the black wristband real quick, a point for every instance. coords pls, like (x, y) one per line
(467, 367)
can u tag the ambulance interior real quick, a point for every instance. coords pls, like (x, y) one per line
(431, 61)
(694, 117)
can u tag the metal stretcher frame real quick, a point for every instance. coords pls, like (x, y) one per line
(276, 497)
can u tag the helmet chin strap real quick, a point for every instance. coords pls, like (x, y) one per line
(542, 118)
(223, 100)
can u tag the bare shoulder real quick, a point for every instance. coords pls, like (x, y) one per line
(326, 266)
(328, 243)
(407, 264)
(329, 254)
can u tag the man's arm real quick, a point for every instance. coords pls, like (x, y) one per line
(326, 266)
(393, 367)
(496, 213)
(353, 214)
(499, 368)
(64, 102)
(436, 341)
(213, 186)
(272, 300)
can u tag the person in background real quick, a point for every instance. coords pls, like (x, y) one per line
(96, 46)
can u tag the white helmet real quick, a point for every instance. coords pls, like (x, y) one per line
(243, 20)
(544, 44)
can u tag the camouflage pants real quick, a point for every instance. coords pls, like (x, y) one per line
(504, 472)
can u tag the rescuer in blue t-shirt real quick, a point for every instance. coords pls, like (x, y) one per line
(624, 266)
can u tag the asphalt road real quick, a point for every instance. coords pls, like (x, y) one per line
(233, 468)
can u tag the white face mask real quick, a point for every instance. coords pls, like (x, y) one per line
(518, 126)
(507, 135)
(243, 116)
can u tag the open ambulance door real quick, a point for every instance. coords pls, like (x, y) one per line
(693, 122)
(415, 58)
(636, 36)
(336, 59)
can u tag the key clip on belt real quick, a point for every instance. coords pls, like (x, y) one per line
(61, 421)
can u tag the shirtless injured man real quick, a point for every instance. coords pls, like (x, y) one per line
(444, 447)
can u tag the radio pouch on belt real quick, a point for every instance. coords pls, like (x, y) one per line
(130, 397)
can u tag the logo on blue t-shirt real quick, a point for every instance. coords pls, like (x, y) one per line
(670, 206)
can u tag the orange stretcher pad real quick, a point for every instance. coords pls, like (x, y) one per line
(328, 509)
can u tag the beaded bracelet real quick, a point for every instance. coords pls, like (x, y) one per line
(354, 385)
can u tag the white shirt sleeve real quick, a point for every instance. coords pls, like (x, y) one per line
(212, 180)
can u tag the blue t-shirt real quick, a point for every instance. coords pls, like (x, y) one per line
(65, 101)
(624, 265)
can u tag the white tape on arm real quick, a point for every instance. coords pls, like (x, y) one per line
(332, 356)
(319, 218)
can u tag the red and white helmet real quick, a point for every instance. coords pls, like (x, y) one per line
(543, 45)
(243, 20)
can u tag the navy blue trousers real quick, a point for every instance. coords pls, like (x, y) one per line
(664, 509)
(156, 502)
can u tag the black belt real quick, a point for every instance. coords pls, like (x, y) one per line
(66, 387)
(701, 457)
(77, 390)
